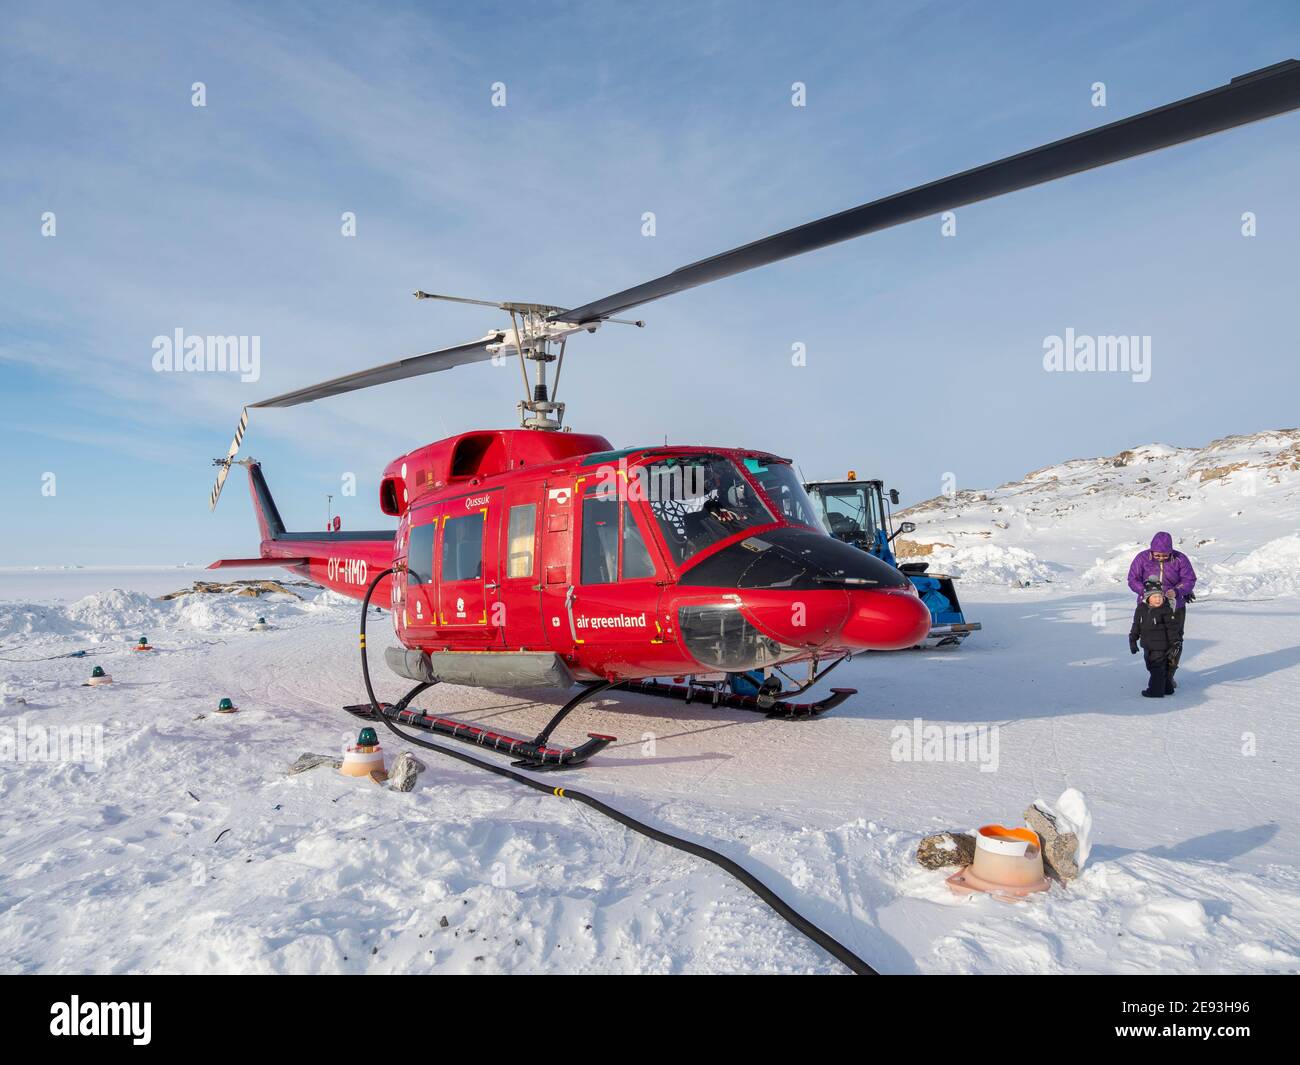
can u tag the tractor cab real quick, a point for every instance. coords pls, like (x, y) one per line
(853, 511)
(857, 512)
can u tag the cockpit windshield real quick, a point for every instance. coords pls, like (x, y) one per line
(782, 487)
(699, 500)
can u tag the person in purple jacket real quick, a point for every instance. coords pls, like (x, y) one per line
(1174, 571)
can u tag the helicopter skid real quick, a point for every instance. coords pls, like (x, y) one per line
(949, 635)
(531, 755)
(718, 697)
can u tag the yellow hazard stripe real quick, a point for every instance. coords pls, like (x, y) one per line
(559, 792)
(363, 641)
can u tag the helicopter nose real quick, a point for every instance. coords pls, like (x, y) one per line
(885, 620)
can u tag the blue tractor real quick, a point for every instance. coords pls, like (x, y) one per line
(856, 512)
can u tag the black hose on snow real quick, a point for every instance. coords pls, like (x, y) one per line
(828, 943)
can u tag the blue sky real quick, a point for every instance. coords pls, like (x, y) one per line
(924, 353)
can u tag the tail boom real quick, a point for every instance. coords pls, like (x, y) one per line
(344, 562)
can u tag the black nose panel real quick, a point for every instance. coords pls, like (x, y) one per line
(797, 559)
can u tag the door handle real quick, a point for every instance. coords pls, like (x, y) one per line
(491, 586)
(569, 597)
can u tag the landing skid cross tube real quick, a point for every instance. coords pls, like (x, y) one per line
(536, 754)
(687, 694)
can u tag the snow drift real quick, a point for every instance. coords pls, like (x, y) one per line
(117, 613)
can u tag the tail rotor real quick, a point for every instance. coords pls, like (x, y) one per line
(223, 465)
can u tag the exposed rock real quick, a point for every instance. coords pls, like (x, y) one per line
(406, 767)
(946, 848)
(249, 588)
(1219, 473)
(912, 549)
(1060, 849)
(308, 761)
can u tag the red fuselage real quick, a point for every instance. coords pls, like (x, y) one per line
(639, 563)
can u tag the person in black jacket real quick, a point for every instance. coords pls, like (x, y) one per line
(1156, 629)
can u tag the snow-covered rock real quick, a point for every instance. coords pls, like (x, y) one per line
(946, 849)
(1232, 506)
(1065, 828)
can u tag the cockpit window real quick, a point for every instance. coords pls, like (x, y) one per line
(777, 479)
(698, 501)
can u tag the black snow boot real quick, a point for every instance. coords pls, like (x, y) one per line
(1172, 660)
(1159, 682)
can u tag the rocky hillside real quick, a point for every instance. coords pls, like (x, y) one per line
(1233, 506)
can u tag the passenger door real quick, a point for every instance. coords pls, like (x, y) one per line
(419, 597)
(466, 559)
(520, 593)
(557, 547)
(615, 597)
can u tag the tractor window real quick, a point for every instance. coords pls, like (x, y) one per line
(462, 548)
(636, 557)
(849, 516)
(419, 554)
(698, 501)
(520, 537)
(600, 539)
(875, 502)
(782, 487)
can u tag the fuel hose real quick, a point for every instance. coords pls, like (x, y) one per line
(778, 905)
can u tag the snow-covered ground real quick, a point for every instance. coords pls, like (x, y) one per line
(190, 849)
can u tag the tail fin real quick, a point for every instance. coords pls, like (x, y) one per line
(269, 521)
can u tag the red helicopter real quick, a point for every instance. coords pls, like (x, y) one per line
(539, 557)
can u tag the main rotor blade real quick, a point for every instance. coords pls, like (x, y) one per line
(414, 366)
(1261, 94)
